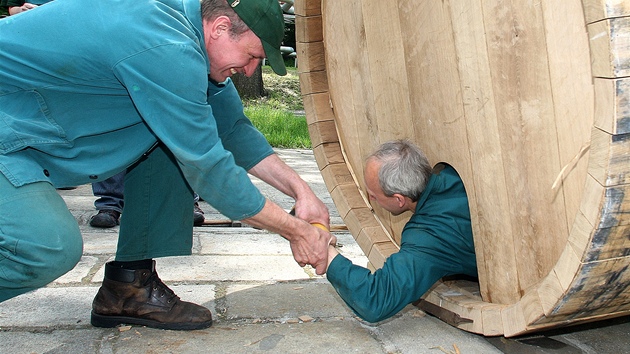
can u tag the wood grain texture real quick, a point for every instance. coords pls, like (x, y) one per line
(527, 100)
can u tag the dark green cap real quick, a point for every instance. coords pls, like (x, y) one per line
(265, 19)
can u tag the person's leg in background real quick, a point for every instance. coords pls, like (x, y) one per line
(110, 202)
(157, 222)
(35, 251)
(198, 217)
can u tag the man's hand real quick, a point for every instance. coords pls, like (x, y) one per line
(17, 9)
(312, 210)
(313, 249)
(308, 243)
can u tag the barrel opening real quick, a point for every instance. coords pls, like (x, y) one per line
(438, 167)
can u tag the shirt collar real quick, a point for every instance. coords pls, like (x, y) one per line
(431, 185)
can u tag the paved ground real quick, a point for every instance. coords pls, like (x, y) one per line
(261, 299)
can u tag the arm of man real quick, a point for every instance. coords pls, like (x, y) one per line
(406, 275)
(252, 152)
(276, 173)
(404, 278)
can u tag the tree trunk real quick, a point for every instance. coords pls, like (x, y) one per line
(249, 87)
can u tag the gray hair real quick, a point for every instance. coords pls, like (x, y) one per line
(211, 9)
(404, 168)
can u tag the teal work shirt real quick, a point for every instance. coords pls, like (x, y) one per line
(436, 241)
(88, 86)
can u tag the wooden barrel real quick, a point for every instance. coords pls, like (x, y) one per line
(528, 100)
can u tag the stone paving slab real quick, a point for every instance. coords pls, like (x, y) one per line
(81, 273)
(314, 337)
(284, 301)
(238, 338)
(49, 308)
(56, 341)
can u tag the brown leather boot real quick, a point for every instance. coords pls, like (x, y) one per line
(140, 297)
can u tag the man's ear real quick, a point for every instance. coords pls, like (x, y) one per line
(400, 200)
(220, 26)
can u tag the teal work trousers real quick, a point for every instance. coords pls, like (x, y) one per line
(157, 219)
(40, 239)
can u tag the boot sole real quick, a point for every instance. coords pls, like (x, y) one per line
(104, 321)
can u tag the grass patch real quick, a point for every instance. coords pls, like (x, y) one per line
(275, 114)
(281, 128)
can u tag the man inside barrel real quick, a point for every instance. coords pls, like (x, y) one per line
(436, 242)
(89, 88)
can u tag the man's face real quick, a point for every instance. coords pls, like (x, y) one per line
(375, 192)
(230, 55)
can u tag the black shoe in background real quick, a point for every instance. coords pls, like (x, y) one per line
(105, 218)
(198, 217)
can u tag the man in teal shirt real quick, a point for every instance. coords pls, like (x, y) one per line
(437, 241)
(89, 88)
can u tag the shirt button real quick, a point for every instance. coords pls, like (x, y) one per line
(46, 173)
(93, 177)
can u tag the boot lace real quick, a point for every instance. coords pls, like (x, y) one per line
(162, 290)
